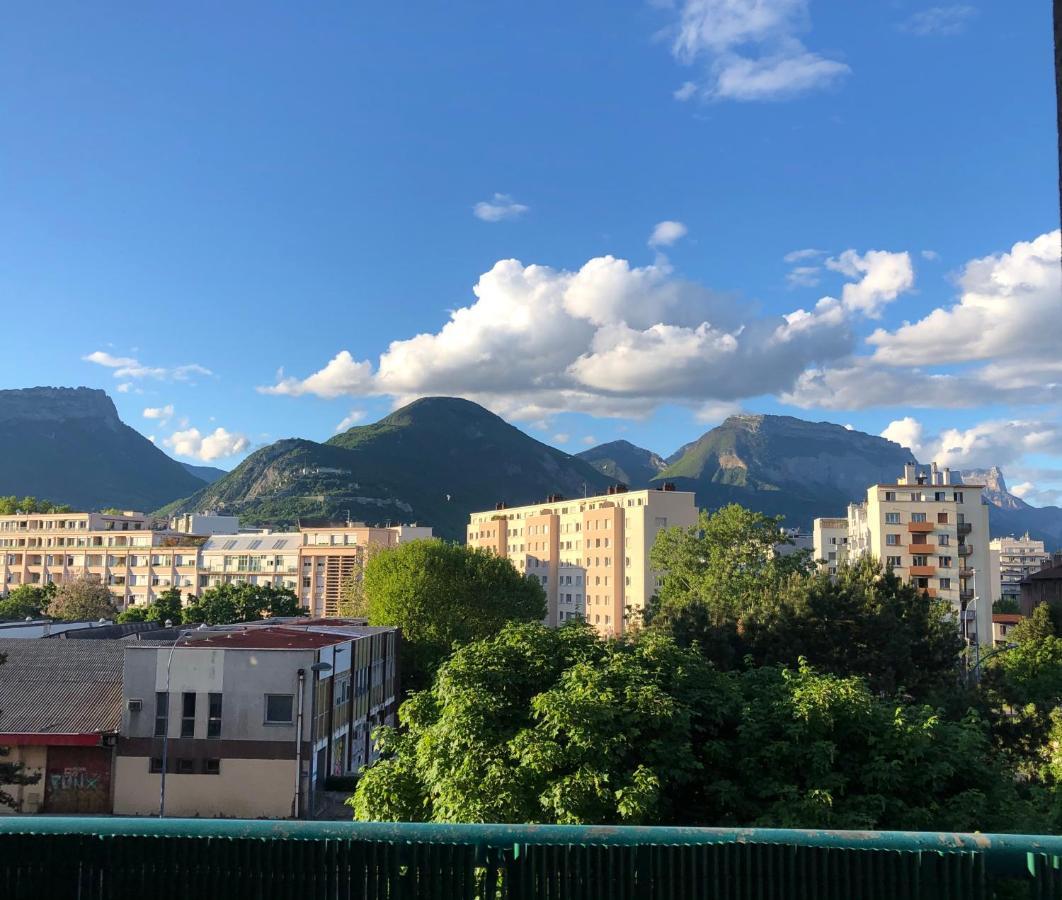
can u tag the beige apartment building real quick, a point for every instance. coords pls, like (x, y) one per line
(138, 557)
(1019, 557)
(931, 532)
(591, 554)
(135, 555)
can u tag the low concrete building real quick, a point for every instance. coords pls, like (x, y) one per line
(1002, 625)
(250, 719)
(60, 708)
(1044, 586)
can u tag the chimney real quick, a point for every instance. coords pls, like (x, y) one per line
(910, 471)
(501, 504)
(946, 477)
(619, 488)
(934, 474)
(669, 485)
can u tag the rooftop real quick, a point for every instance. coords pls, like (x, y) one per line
(60, 687)
(262, 543)
(293, 634)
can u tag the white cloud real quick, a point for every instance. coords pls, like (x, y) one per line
(939, 20)
(794, 256)
(159, 412)
(930, 255)
(804, 276)
(666, 233)
(206, 447)
(498, 209)
(713, 413)
(749, 50)
(561, 438)
(589, 440)
(125, 387)
(342, 375)
(907, 432)
(129, 367)
(884, 276)
(1008, 309)
(609, 339)
(1021, 490)
(352, 418)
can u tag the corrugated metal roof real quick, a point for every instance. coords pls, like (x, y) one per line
(60, 687)
(259, 543)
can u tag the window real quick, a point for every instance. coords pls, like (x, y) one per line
(211, 766)
(185, 767)
(155, 766)
(916, 498)
(833, 556)
(919, 560)
(893, 562)
(214, 716)
(278, 709)
(890, 496)
(957, 496)
(945, 584)
(162, 712)
(944, 540)
(892, 540)
(188, 714)
(918, 517)
(944, 562)
(892, 518)
(942, 518)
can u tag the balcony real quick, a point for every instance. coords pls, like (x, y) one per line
(922, 571)
(966, 595)
(922, 549)
(87, 857)
(920, 527)
(964, 528)
(964, 549)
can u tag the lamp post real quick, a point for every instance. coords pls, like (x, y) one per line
(166, 730)
(317, 668)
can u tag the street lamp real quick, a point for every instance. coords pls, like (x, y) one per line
(166, 730)
(317, 668)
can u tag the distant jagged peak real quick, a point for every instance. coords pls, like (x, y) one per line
(57, 404)
(995, 490)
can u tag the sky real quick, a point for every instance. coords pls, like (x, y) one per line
(249, 221)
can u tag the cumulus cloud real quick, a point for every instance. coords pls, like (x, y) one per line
(712, 413)
(907, 432)
(749, 50)
(1008, 309)
(561, 438)
(610, 339)
(352, 418)
(666, 233)
(498, 209)
(996, 442)
(162, 413)
(589, 440)
(939, 20)
(130, 367)
(206, 447)
(882, 277)
(342, 375)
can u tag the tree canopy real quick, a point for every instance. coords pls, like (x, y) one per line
(440, 594)
(558, 726)
(81, 599)
(233, 602)
(26, 600)
(11, 504)
(166, 607)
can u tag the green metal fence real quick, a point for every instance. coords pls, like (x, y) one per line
(42, 857)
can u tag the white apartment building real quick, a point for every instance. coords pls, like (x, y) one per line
(1019, 557)
(928, 530)
(591, 555)
(830, 543)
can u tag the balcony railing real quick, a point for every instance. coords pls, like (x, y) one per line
(964, 528)
(964, 549)
(94, 858)
(920, 527)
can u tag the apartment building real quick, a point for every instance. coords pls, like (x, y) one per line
(830, 543)
(138, 557)
(135, 555)
(251, 719)
(591, 555)
(1019, 557)
(932, 532)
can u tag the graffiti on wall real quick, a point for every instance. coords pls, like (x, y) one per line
(77, 780)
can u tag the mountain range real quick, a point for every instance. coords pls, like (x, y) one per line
(440, 458)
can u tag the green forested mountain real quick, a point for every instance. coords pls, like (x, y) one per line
(69, 446)
(434, 461)
(623, 461)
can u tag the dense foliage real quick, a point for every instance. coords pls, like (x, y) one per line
(26, 601)
(165, 608)
(440, 594)
(81, 599)
(540, 725)
(229, 603)
(9, 505)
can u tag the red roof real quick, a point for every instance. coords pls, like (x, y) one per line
(1007, 618)
(278, 638)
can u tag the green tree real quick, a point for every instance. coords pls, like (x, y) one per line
(166, 607)
(234, 602)
(12, 773)
(1006, 605)
(1040, 625)
(27, 600)
(440, 594)
(539, 725)
(12, 504)
(81, 599)
(864, 621)
(720, 568)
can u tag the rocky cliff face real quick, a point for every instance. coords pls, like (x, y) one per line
(995, 491)
(57, 404)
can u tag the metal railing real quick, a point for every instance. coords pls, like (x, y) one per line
(93, 858)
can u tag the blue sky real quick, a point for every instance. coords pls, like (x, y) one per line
(197, 196)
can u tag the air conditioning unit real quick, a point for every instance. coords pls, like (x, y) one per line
(135, 705)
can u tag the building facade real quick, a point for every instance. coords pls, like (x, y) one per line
(931, 532)
(1019, 557)
(251, 719)
(591, 555)
(830, 543)
(139, 557)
